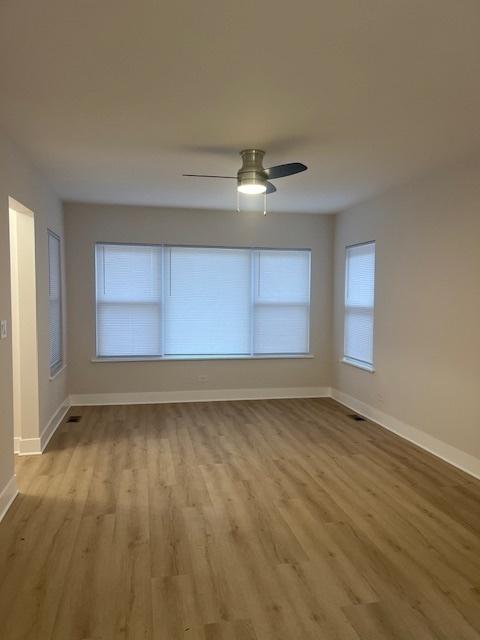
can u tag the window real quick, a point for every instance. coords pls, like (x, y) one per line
(180, 302)
(129, 300)
(359, 305)
(207, 302)
(282, 301)
(54, 303)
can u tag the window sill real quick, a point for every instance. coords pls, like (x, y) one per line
(279, 356)
(57, 372)
(358, 365)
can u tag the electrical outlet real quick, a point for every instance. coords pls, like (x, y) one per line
(3, 329)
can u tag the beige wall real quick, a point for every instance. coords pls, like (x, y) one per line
(86, 224)
(20, 180)
(427, 315)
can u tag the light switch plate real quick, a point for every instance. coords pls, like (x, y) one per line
(3, 329)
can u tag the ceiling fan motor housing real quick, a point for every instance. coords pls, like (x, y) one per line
(252, 171)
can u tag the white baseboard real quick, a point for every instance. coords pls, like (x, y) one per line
(54, 423)
(35, 446)
(16, 444)
(7, 496)
(29, 446)
(162, 397)
(452, 455)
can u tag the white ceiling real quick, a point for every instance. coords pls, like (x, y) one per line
(115, 99)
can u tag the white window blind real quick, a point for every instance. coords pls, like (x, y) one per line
(359, 303)
(201, 301)
(207, 309)
(54, 303)
(129, 300)
(282, 301)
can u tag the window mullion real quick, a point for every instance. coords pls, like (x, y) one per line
(252, 301)
(163, 298)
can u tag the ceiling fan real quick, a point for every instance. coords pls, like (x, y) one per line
(252, 178)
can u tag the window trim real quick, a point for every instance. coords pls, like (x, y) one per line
(359, 364)
(345, 359)
(190, 358)
(56, 367)
(56, 373)
(96, 358)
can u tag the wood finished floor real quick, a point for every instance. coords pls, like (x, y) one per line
(259, 520)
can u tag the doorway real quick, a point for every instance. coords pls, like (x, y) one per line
(24, 323)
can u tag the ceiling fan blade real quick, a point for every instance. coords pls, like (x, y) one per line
(271, 188)
(199, 175)
(283, 170)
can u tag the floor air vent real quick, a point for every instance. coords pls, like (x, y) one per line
(74, 419)
(356, 417)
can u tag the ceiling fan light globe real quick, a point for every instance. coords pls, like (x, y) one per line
(252, 189)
